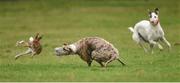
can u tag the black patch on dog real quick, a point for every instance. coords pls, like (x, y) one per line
(143, 38)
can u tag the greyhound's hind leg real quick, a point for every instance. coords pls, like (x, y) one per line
(110, 60)
(166, 42)
(142, 46)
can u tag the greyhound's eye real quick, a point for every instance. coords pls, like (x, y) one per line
(64, 49)
(155, 17)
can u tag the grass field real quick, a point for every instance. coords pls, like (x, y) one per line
(69, 20)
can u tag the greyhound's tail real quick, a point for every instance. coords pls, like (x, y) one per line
(131, 29)
(121, 62)
(177, 43)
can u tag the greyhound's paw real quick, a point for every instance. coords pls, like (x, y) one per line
(160, 47)
(16, 57)
(152, 52)
(145, 50)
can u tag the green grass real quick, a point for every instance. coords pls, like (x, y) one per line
(69, 20)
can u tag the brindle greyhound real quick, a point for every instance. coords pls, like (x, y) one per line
(34, 46)
(91, 48)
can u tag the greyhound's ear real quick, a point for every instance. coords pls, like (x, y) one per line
(156, 10)
(149, 13)
(66, 48)
(65, 44)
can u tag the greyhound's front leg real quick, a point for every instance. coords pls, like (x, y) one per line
(151, 48)
(152, 43)
(166, 42)
(89, 63)
(23, 53)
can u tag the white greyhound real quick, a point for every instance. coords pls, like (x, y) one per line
(149, 31)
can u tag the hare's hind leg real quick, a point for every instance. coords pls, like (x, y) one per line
(23, 53)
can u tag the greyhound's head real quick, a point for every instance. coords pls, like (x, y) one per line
(153, 17)
(65, 50)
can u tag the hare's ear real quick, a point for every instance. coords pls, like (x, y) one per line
(37, 35)
(40, 37)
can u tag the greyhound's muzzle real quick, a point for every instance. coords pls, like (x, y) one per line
(57, 51)
(154, 22)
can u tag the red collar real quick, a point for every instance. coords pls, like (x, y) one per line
(154, 24)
